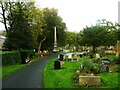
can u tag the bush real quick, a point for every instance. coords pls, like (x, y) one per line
(31, 53)
(16, 57)
(10, 57)
(117, 60)
(89, 66)
(25, 54)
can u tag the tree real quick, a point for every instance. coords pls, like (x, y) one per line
(6, 8)
(50, 19)
(71, 38)
(94, 36)
(31, 30)
(19, 35)
(103, 33)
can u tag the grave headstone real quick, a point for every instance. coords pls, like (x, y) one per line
(103, 67)
(118, 48)
(89, 80)
(70, 56)
(97, 56)
(57, 64)
(61, 56)
(107, 68)
(81, 55)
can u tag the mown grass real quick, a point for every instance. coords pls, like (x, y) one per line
(62, 78)
(109, 80)
(7, 70)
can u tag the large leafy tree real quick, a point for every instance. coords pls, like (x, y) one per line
(94, 36)
(27, 29)
(103, 33)
(19, 34)
(50, 20)
(71, 38)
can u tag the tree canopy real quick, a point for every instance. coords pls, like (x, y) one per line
(30, 27)
(104, 33)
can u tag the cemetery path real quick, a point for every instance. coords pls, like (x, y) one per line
(29, 77)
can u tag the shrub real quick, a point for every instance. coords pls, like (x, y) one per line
(117, 60)
(26, 54)
(31, 53)
(87, 63)
(90, 67)
(10, 57)
(16, 57)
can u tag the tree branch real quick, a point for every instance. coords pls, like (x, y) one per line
(4, 16)
(41, 43)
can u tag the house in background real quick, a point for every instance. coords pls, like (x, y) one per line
(2, 39)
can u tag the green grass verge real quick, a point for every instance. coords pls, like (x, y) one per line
(7, 70)
(62, 78)
(110, 80)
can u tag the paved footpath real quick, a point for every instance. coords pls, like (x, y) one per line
(29, 77)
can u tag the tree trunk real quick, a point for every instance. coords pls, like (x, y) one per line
(93, 49)
(41, 43)
(3, 15)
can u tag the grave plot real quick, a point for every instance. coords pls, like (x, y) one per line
(91, 71)
(71, 56)
(86, 72)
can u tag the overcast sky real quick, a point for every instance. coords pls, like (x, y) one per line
(79, 13)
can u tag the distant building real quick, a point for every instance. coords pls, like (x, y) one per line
(2, 39)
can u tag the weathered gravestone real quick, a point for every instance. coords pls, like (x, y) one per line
(97, 56)
(118, 48)
(61, 57)
(105, 68)
(57, 64)
(89, 80)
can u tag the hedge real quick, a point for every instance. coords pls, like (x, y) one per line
(10, 57)
(15, 57)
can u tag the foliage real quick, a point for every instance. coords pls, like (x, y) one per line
(89, 67)
(71, 38)
(15, 57)
(51, 20)
(102, 34)
(12, 57)
(26, 30)
(19, 35)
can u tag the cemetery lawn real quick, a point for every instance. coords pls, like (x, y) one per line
(64, 78)
(7, 70)
(110, 80)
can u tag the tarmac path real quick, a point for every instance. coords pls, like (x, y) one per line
(29, 77)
